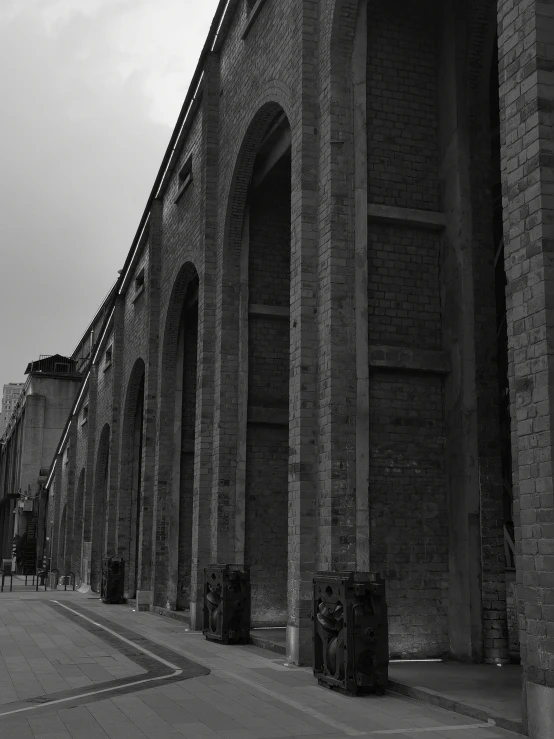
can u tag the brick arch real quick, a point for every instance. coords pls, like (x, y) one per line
(276, 93)
(252, 138)
(244, 506)
(128, 498)
(226, 530)
(101, 482)
(162, 552)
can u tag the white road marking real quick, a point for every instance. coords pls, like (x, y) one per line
(122, 638)
(176, 671)
(47, 704)
(295, 704)
(461, 727)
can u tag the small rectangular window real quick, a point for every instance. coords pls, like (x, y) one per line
(108, 358)
(184, 178)
(139, 281)
(66, 455)
(84, 415)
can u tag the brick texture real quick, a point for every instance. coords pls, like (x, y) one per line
(221, 484)
(402, 104)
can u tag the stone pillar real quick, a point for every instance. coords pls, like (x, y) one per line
(86, 547)
(224, 285)
(526, 71)
(340, 325)
(70, 526)
(54, 514)
(359, 80)
(242, 395)
(115, 435)
(303, 458)
(203, 461)
(146, 533)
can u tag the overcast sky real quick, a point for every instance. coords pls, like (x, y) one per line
(90, 93)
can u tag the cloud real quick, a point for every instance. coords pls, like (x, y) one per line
(91, 90)
(160, 41)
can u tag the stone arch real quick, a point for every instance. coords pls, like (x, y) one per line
(172, 557)
(128, 531)
(100, 493)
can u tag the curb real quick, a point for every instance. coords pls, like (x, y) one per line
(259, 641)
(467, 709)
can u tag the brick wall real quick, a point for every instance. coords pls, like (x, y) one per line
(407, 483)
(526, 59)
(409, 529)
(404, 287)
(304, 479)
(266, 522)
(402, 104)
(266, 486)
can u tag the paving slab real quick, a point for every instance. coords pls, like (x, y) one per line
(240, 692)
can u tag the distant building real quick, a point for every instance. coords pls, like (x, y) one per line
(10, 394)
(31, 435)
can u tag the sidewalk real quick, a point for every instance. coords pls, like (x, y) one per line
(154, 678)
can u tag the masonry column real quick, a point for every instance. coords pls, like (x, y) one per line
(146, 534)
(54, 513)
(359, 80)
(201, 507)
(70, 511)
(86, 551)
(302, 536)
(113, 490)
(526, 71)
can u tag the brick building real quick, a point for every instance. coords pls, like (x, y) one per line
(336, 300)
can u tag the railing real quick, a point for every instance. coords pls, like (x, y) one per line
(52, 364)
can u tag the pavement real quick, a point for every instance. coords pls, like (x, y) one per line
(101, 671)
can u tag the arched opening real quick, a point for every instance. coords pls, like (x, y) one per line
(101, 483)
(129, 530)
(173, 556)
(265, 349)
